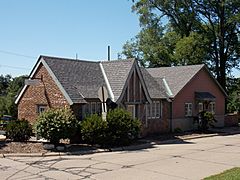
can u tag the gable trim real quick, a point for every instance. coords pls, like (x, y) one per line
(25, 86)
(211, 77)
(39, 62)
(57, 82)
(107, 82)
(135, 65)
(169, 92)
(220, 87)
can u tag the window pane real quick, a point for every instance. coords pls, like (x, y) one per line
(93, 105)
(158, 109)
(149, 110)
(153, 107)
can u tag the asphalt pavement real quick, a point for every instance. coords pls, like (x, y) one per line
(179, 159)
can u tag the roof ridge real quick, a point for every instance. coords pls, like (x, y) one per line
(181, 66)
(117, 60)
(68, 59)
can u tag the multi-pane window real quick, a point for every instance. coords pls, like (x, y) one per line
(188, 109)
(154, 110)
(92, 108)
(41, 108)
(200, 107)
(212, 107)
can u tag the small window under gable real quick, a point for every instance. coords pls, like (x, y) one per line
(41, 108)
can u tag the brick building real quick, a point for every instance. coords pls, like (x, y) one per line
(148, 94)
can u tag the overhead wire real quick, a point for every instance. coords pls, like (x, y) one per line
(15, 54)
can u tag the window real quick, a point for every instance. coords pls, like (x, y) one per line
(131, 109)
(92, 108)
(200, 107)
(188, 109)
(154, 110)
(41, 108)
(212, 107)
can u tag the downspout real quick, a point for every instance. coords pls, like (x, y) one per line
(171, 115)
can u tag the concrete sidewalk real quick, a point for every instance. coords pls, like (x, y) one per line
(146, 144)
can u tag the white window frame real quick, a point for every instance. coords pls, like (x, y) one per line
(41, 108)
(132, 110)
(154, 110)
(188, 109)
(200, 107)
(212, 107)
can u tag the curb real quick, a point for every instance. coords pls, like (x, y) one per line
(147, 144)
(48, 154)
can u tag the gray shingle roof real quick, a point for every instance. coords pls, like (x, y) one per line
(176, 77)
(155, 88)
(80, 79)
(117, 72)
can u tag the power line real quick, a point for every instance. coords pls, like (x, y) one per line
(14, 67)
(17, 54)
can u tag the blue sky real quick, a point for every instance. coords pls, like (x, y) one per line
(62, 28)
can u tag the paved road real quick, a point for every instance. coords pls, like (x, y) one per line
(192, 159)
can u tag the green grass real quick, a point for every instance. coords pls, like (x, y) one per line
(231, 174)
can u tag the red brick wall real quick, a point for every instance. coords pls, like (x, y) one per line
(231, 119)
(158, 126)
(45, 93)
(202, 82)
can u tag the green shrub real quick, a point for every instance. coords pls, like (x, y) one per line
(93, 130)
(206, 120)
(19, 130)
(122, 128)
(56, 124)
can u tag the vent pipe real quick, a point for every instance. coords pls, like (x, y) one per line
(108, 53)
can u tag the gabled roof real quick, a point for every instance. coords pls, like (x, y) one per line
(117, 73)
(155, 88)
(80, 79)
(176, 78)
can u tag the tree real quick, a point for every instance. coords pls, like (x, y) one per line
(10, 89)
(210, 27)
(234, 95)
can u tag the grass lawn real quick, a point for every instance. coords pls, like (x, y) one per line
(230, 174)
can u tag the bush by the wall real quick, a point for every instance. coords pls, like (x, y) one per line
(122, 128)
(19, 130)
(206, 120)
(93, 130)
(56, 124)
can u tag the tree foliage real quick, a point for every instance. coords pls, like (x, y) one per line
(9, 88)
(188, 32)
(19, 130)
(234, 95)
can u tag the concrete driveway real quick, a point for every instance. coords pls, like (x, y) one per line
(192, 159)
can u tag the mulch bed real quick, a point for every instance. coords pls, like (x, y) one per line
(21, 147)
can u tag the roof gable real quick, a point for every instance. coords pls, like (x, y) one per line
(80, 79)
(155, 87)
(175, 77)
(117, 73)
